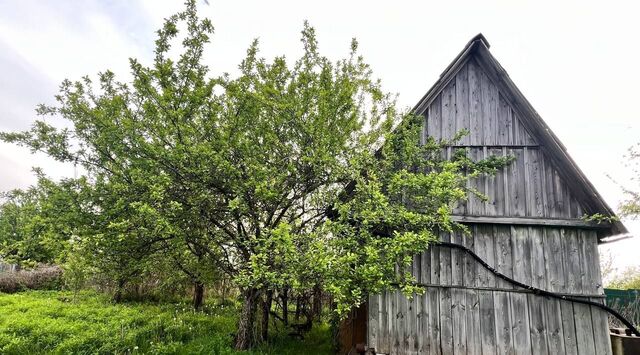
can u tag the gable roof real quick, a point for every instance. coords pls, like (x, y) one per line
(582, 189)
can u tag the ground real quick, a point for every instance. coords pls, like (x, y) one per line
(54, 322)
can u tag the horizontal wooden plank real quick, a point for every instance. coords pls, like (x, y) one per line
(502, 289)
(531, 221)
(495, 146)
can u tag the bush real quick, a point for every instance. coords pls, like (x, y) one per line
(44, 277)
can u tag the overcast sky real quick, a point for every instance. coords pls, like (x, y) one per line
(576, 61)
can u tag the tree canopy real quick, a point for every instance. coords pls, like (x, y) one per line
(292, 174)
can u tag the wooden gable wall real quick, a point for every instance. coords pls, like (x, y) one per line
(466, 309)
(531, 186)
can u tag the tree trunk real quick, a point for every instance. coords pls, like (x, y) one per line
(298, 307)
(117, 296)
(198, 295)
(266, 307)
(246, 336)
(317, 302)
(285, 306)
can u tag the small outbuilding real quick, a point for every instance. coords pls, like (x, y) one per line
(531, 229)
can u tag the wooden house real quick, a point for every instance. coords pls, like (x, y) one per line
(531, 229)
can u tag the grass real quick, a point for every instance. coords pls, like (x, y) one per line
(51, 322)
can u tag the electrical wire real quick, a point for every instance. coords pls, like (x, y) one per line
(538, 291)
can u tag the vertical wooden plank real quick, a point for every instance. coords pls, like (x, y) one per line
(399, 331)
(504, 342)
(483, 247)
(487, 322)
(569, 328)
(412, 325)
(449, 111)
(596, 264)
(592, 283)
(434, 119)
(416, 267)
(470, 273)
(549, 189)
(394, 321)
(504, 261)
(489, 94)
(435, 264)
(445, 261)
(575, 211)
(559, 192)
(405, 324)
(493, 114)
(505, 122)
(446, 321)
(372, 321)
(543, 183)
(517, 131)
(553, 260)
(423, 325)
(434, 321)
(601, 336)
(522, 134)
(537, 326)
(488, 234)
(534, 185)
(475, 205)
(495, 189)
(506, 177)
(474, 344)
(459, 318)
(518, 306)
(462, 103)
(519, 303)
(521, 251)
(383, 329)
(584, 329)
(517, 183)
(475, 104)
(571, 257)
(480, 248)
(425, 261)
(553, 321)
(582, 267)
(538, 269)
(457, 262)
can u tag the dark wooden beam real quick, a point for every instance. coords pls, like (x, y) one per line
(531, 221)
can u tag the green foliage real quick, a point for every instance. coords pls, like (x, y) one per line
(50, 322)
(600, 218)
(395, 209)
(36, 224)
(631, 206)
(290, 175)
(627, 279)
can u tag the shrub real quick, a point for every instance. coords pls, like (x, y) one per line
(44, 277)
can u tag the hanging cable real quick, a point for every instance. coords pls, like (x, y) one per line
(539, 291)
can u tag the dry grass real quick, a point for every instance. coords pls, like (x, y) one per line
(45, 277)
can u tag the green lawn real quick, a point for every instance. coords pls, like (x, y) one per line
(38, 322)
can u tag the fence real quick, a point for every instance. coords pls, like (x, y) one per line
(626, 302)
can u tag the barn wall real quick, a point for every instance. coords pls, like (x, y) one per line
(529, 187)
(467, 310)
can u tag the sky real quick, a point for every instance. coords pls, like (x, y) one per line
(576, 62)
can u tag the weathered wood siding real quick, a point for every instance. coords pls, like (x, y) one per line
(466, 309)
(531, 186)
